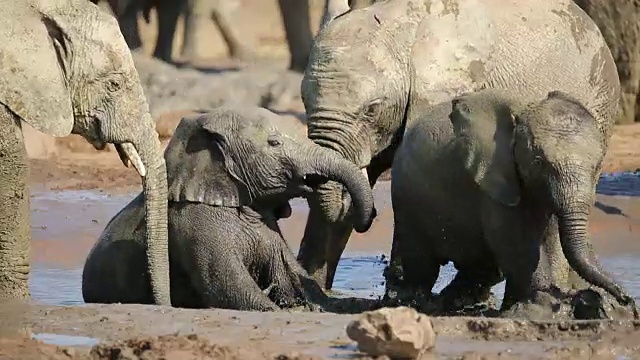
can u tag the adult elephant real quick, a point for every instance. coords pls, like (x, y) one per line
(196, 14)
(297, 26)
(619, 23)
(371, 69)
(66, 69)
(231, 174)
(512, 173)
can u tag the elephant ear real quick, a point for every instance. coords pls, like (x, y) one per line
(33, 82)
(200, 168)
(484, 132)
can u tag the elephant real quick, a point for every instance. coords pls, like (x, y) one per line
(372, 69)
(619, 23)
(231, 173)
(66, 69)
(494, 167)
(196, 13)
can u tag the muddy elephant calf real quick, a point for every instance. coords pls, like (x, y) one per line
(231, 173)
(504, 176)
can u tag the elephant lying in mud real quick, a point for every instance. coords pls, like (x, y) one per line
(65, 68)
(503, 176)
(231, 173)
(372, 69)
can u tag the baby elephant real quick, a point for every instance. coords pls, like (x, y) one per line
(502, 186)
(231, 173)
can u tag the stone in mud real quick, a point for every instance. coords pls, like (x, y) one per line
(399, 333)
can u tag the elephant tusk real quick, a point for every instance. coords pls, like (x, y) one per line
(364, 172)
(123, 157)
(129, 155)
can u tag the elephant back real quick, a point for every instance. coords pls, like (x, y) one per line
(530, 47)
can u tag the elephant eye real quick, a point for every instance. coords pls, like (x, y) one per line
(373, 108)
(274, 141)
(113, 85)
(537, 162)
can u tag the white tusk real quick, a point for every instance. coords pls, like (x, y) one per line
(123, 157)
(133, 157)
(364, 172)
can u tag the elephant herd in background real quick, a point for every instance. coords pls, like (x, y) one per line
(495, 116)
(295, 18)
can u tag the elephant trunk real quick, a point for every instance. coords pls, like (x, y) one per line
(154, 184)
(327, 163)
(577, 248)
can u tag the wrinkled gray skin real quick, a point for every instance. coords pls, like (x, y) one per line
(231, 174)
(196, 14)
(65, 68)
(502, 175)
(370, 69)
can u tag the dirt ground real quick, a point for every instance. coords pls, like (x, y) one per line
(150, 332)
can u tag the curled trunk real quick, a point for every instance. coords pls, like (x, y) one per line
(334, 167)
(577, 248)
(155, 195)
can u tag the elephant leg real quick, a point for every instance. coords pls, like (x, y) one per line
(189, 38)
(168, 13)
(511, 238)
(228, 284)
(296, 20)
(312, 254)
(128, 21)
(15, 237)
(471, 286)
(222, 16)
(412, 270)
(285, 283)
(335, 248)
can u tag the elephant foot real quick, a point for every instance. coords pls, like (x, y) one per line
(583, 304)
(595, 304)
(415, 297)
(474, 303)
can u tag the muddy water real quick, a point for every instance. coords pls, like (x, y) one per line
(66, 224)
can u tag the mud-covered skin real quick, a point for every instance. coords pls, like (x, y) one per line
(65, 68)
(513, 174)
(231, 173)
(371, 69)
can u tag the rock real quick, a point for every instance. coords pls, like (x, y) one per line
(399, 333)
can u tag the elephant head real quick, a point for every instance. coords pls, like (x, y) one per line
(66, 69)
(251, 157)
(355, 91)
(548, 151)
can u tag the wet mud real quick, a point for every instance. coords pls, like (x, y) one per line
(65, 224)
(320, 335)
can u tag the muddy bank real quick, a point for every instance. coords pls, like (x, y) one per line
(320, 335)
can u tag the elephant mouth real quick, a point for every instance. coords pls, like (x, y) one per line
(309, 183)
(313, 181)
